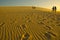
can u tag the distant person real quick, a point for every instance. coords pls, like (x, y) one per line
(54, 8)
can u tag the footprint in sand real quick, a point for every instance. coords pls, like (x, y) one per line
(26, 36)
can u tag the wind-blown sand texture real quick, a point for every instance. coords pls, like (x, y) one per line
(27, 23)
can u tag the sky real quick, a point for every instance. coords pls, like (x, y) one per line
(41, 3)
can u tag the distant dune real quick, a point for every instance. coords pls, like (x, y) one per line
(22, 8)
(29, 23)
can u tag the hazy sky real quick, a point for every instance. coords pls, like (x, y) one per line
(41, 3)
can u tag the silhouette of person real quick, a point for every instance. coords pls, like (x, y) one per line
(54, 8)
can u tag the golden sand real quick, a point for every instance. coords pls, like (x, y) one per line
(26, 23)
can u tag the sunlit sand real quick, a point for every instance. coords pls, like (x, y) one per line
(27, 23)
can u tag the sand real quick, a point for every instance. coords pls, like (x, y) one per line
(27, 23)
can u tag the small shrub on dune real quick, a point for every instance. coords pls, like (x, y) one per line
(33, 7)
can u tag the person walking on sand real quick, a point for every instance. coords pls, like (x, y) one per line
(54, 8)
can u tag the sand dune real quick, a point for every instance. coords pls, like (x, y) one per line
(26, 23)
